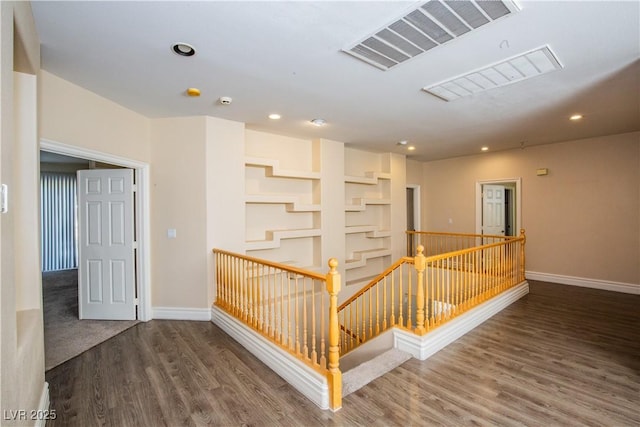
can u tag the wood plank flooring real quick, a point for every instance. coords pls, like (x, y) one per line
(562, 356)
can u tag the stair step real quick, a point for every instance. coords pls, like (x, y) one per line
(368, 371)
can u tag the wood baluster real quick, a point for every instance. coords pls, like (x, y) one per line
(334, 376)
(305, 342)
(409, 312)
(323, 358)
(428, 295)
(314, 354)
(370, 312)
(401, 300)
(420, 264)
(281, 335)
(289, 313)
(384, 303)
(297, 319)
(522, 258)
(268, 303)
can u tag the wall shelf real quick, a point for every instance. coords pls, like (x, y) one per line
(289, 200)
(360, 204)
(273, 169)
(273, 238)
(372, 231)
(370, 178)
(360, 257)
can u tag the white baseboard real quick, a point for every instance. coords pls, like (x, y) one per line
(627, 288)
(43, 407)
(182, 313)
(422, 347)
(304, 378)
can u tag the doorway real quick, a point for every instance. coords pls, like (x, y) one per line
(413, 216)
(142, 209)
(141, 221)
(499, 207)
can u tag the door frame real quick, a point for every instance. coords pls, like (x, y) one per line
(416, 205)
(518, 201)
(142, 215)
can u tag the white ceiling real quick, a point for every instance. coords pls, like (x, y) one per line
(285, 57)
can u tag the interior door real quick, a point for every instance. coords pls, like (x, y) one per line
(106, 276)
(493, 206)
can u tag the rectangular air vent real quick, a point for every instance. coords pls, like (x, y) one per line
(429, 25)
(515, 69)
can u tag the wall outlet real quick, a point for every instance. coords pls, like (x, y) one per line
(171, 233)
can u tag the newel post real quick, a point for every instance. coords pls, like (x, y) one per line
(334, 376)
(522, 261)
(420, 264)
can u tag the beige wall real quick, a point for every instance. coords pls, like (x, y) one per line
(582, 219)
(72, 115)
(178, 201)
(225, 191)
(22, 345)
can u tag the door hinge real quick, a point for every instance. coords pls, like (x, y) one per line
(135, 245)
(136, 302)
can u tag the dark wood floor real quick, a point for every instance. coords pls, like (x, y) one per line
(562, 356)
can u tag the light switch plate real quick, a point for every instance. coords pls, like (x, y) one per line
(4, 198)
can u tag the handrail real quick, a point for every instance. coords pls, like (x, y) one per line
(290, 268)
(375, 280)
(444, 233)
(436, 242)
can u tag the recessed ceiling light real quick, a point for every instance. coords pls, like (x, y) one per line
(183, 49)
(576, 117)
(318, 122)
(275, 116)
(411, 148)
(192, 91)
(485, 149)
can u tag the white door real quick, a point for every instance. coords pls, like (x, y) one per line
(106, 278)
(493, 210)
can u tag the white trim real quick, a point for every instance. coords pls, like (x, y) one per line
(518, 182)
(142, 216)
(43, 410)
(422, 347)
(182, 313)
(627, 288)
(303, 378)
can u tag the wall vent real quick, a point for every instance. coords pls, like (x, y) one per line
(515, 69)
(431, 24)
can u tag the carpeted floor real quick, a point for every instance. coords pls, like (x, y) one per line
(65, 336)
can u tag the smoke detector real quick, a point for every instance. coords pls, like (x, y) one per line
(225, 100)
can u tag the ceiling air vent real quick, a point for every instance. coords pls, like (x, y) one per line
(429, 25)
(515, 69)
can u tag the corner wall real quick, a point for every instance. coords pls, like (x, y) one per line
(22, 382)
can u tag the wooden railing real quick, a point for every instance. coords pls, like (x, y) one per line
(297, 309)
(421, 293)
(294, 308)
(436, 243)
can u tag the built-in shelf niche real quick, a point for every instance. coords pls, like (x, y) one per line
(367, 225)
(282, 212)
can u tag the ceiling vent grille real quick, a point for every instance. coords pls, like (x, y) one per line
(515, 69)
(432, 24)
